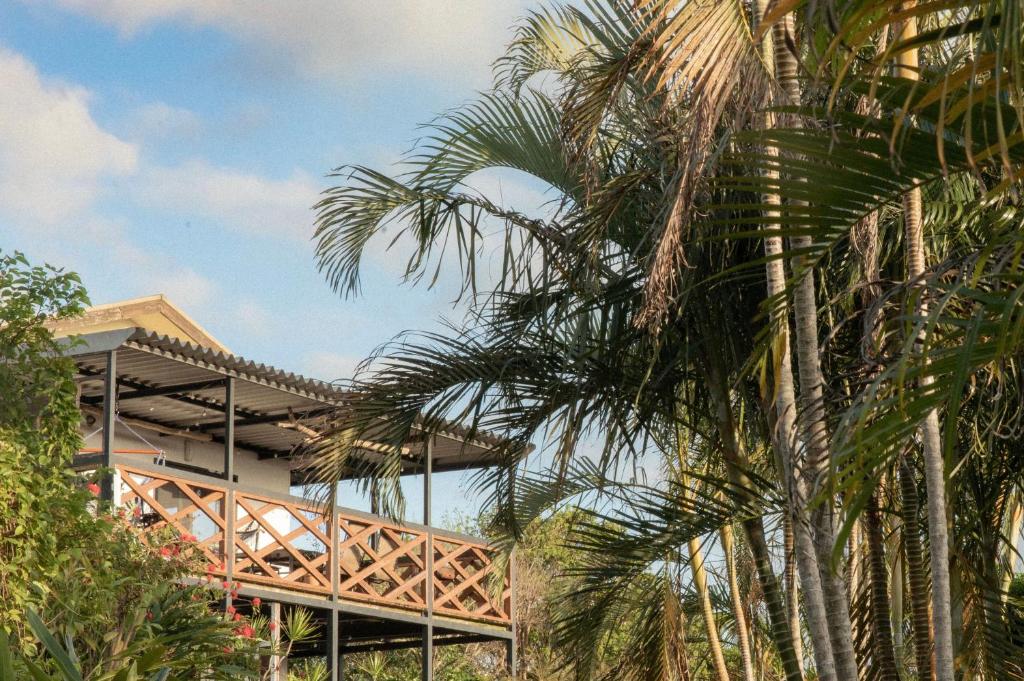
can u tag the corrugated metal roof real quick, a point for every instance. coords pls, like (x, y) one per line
(228, 364)
(147, 360)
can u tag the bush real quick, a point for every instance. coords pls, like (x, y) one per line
(67, 564)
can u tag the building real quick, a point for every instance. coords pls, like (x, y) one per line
(206, 442)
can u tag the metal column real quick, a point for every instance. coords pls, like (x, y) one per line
(275, 641)
(230, 512)
(335, 670)
(428, 629)
(229, 429)
(109, 416)
(511, 660)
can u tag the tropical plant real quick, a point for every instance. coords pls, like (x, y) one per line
(81, 595)
(779, 274)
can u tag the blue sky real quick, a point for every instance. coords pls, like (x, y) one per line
(176, 146)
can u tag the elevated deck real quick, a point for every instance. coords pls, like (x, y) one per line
(303, 551)
(204, 443)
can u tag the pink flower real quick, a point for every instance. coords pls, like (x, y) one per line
(165, 552)
(256, 602)
(137, 511)
(273, 626)
(237, 617)
(231, 610)
(245, 632)
(93, 488)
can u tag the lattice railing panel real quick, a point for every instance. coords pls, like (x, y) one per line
(286, 543)
(156, 501)
(381, 562)
(281, 543)
(462, 581)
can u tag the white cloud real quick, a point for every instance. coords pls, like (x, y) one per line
(145, 272)
(453, 39)
(253, 318)
(330, 366)
(235, 199)
(158, 120)
(53, 155)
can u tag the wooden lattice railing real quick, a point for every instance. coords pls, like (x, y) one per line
(286, 542)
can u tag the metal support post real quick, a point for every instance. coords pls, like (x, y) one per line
(428, 628)
(334, 662)
(229, 430)
(230, 512)
(275, 641)
(511, 658)
(109, 417)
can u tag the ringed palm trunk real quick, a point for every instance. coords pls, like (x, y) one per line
(1012, 533)
(825, 596)
(742, 635)
(931, 438)
(916, 572)
(790, 584)
(700, 580)
(878, 579)
(736, 465)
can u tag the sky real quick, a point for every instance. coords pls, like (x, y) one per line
(177, 147)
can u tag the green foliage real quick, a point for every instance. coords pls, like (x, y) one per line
(43, 507)
(81, 596)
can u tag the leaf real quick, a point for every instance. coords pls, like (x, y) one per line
(64, 662)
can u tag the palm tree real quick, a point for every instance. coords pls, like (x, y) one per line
(608, 318)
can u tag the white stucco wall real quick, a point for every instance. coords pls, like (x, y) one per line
(253, 475)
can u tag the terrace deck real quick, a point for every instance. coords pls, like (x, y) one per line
(293, 545)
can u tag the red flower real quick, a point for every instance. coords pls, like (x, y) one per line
(93, 488)
(226, 649)
(256, 602)
(238, 617)
(137, 511)
(273, 626)
(231, 610)
(226, 585)
(245, 632)
(165, 552)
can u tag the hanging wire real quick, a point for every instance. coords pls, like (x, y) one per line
(161, 454)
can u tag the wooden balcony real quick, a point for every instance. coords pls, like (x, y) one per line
(293, 546)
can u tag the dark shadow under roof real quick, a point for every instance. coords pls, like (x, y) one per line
(177, 386)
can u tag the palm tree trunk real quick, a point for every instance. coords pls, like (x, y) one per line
(916, 572)
(736, 466)
(784, 435)
(896, 607)
(931, 438)
(811, 419)
(700, 580)
(742, 635)
(1012, 535)
(790, 584)
(881, 634)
